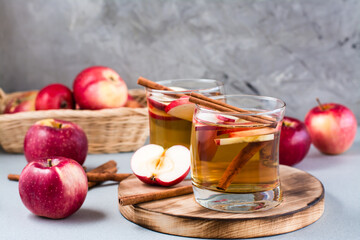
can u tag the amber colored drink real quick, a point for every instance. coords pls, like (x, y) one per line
(260, 173)
(235, 166)
(167, 130)
(170, 112)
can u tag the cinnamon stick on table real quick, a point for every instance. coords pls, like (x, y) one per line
(92, 177)
(108, 167)
(152, 196)
(105, 172)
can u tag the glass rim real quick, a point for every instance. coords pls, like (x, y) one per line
(203, 90)
(262, 112)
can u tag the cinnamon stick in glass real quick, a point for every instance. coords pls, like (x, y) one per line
(194, 97)
(208, 102)
(238, 163)
(152, 196)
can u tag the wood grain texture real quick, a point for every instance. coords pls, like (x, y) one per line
(303, 204)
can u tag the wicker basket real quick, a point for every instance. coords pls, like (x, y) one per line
(108, 130)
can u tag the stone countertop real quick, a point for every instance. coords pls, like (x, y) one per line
(99, 217)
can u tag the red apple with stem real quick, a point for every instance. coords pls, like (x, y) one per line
(99, 87)
(21, 103)
(154, 165)
(55, 96)
(332, 127)
(53, 137)
(295, 141)
(53, 187)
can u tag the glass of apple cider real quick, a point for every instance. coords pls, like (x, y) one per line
(235, 156)
(171, 113)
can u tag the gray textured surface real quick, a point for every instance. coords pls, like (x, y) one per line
(296, 50)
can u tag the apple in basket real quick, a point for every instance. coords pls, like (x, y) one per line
(21, 103)
(154, 165)
(52, 137)
(55, 96)
(99, 87)
(53, 187)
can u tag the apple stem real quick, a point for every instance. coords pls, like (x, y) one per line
(49, 162)
(320, 105)
(63, 104)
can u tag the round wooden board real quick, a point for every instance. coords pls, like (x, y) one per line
(303, 204)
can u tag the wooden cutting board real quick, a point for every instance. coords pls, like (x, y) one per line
(303, 204)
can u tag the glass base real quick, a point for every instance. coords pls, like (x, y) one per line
(238, 202)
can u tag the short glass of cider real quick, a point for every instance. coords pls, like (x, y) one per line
(235, 156)
(170, 116)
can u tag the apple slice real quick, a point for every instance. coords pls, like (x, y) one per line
(154, 165)
(181, 108)
(227, 118)
(233, 140)
(159, 114)
(159, 101)
(253, 135)
(253, 132)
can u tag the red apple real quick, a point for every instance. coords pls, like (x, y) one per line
(332, 127)
(99, 87)
(21, 103)
(154, 165)
(52, 137)
(53, 188)
(181, 108)
(295, 141)
(55, 96)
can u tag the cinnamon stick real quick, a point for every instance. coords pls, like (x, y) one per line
(13, 177)
(223, 108)
(154, 85)
(92, 177)
(101, 177)
(238, 163)
(208, 102)
(152, 196)
(230, 108)
(108, 167)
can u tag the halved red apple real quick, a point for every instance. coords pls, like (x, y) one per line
(154, 165)
(181, 108)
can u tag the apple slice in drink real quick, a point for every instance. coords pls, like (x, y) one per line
(181, 108)
(161, 115)
(154, 165)
(255, 135)
(160, 100)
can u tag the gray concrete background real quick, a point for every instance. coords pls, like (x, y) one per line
(296, 50)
